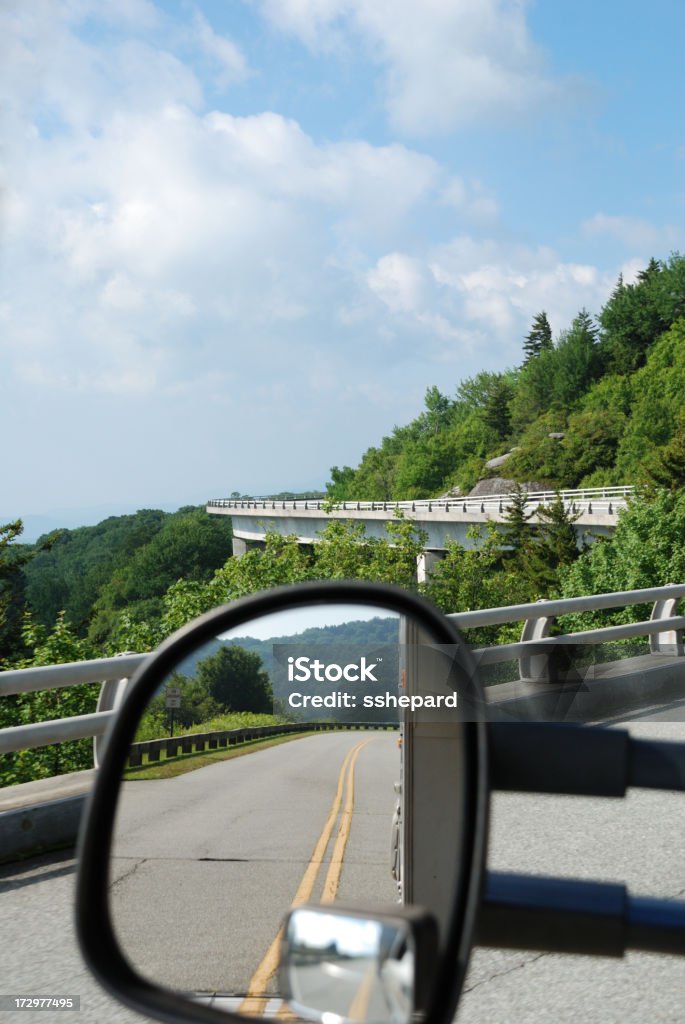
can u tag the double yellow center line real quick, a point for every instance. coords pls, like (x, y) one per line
(254, 1001)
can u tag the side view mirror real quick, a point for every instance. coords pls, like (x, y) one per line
(255, 843)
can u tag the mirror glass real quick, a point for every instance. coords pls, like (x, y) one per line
(284, 762)
(358, 969)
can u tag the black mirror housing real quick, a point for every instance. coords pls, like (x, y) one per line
(97, 935)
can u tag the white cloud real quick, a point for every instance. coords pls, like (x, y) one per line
(146, 239)
(50, 72)
(178, 266)
(482, 295)
(226, 55)
(313, 21)
(473, 201)
(120, 293)
(447, 63)
(634, 232)
(397, 280)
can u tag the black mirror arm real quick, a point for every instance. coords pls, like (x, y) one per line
(536, 757)
(561, 915)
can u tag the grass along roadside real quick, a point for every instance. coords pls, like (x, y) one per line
(150, 729)
(170, 767)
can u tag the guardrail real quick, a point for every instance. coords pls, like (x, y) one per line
(113, 673)
(197, 742)
(48, 819)
(664, 628)
(606, 500)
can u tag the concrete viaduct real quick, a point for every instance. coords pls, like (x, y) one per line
(442, 519)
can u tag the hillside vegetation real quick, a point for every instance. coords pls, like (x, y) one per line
(609, 392)
(612, 387)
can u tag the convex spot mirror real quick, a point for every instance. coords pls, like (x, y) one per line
(340, 965)
(316, 744)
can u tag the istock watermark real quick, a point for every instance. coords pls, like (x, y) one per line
(360, 682)
(303, 669)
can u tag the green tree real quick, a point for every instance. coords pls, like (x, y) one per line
(554, 547)
(647, 549)
(470, 578)
(539, 457)
(375, 477)
(345, 552)
(13, 557)
(197, 706)
(189, 545)
(657, 390)
(534, 392)
(423, 466)
(637, 314)
(591, 443)
(538, 339)
(341, 485)
(438, 408)
(236, 679)
(517, 533)
(394, 557)
(668, 467)
(497, 414)
(48, 647)
(70, 574)
(576, 362)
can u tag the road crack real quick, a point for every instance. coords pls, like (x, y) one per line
(501, 974)
(127, 874)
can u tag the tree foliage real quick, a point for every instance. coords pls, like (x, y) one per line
(236, 680)
(553, 546)
(48, 647)
(538, 339)
(13, 557)
(599, 383)
(600, 404)
(125, 562)
(645, 550)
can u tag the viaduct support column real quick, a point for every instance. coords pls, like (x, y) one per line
(239, 547)
(425, 563)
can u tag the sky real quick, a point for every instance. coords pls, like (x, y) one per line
(239, 239)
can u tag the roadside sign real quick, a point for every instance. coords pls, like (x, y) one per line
(173, 697)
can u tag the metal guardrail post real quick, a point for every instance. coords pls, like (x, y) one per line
(535, 667)
(112, 693)
(670, 641)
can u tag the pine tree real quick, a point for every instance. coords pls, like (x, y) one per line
(584, 324)
(496, 413)
(652, 268)
(555, 545)
(539, 338)
(517, 534)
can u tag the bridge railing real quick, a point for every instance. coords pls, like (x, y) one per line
(664, 628)
(598, 500)
(113, 673)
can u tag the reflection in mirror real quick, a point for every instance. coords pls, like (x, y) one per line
(359, 969)
(268, 771)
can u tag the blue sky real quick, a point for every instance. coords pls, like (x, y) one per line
(240, 239)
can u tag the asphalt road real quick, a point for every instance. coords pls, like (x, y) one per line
(207, 864)
(638, 840)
